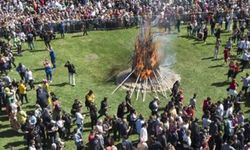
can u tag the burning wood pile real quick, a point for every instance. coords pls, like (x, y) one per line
(146, 74)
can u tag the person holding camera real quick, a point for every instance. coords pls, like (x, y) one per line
(72, 72)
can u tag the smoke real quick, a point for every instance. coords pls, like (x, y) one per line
(167, 56)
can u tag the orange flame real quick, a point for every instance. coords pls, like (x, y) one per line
(145, 60)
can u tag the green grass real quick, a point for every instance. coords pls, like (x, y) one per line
(102, 54)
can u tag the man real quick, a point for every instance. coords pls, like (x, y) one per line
(154, 105)
(22, 91)
(93, 115)
(246, 81)
(21, 69)
(245, 59)
(72, 72)
(104, 108)
(85, 28)
(47, 39)
(192, 101)
(29, 78)
(52, 56)
(30, 41)
(121, 110)
(216, 49)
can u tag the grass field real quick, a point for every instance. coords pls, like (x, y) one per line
(102, 54)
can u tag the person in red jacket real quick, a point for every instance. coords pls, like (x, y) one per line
(206, 104)
(232, 90)
(226, 55)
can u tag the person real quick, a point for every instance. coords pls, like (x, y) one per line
(206, 104)
(217, 47)
(22, 91)
(192, 101)
(144, 133)
(79, 119)
(104, 108)
(154, 105)
(121, 110)
(78, 139)
(29, 78)
(205, 31)
(226, 53)
(245, 60)
(76, 105)
(30, 41)
(232, 89)
(246, 83)
(18, 44)
(84, 28)
(52, 56)
(89, 98)
(230, 72)
(93, 115)
(128, 101)
(47, 39)
(72, 72)
(62, 29)
(48, 70)
(21, 69)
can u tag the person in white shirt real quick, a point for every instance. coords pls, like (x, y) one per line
(246, 82)
(192, 101)
(29, 78)
(245, 59)
(79, 119)
(206, 122)
(220, 109)
(144, 133)
(187, 138)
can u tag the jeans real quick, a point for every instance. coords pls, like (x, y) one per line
(49, 76)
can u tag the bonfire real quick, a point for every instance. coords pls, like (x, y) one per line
(146, 74)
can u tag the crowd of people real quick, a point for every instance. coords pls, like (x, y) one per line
(48, 126)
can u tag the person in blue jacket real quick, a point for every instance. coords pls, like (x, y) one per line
(52, 56)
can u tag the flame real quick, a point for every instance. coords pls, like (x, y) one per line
(145, 59)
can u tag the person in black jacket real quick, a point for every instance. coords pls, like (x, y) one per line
(72, 72)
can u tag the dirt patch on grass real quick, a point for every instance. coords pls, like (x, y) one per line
(91, 57)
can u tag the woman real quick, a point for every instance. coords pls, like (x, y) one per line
(48, 70)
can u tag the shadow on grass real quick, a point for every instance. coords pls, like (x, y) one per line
(216, 66)
(3, 126)
(9, 133)
(9, 145)
(37, 50)
(38, 69)
(220, 84)
(111, 76)
(59, 84)
(78, 35)
(38, 82)
(206, 58)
